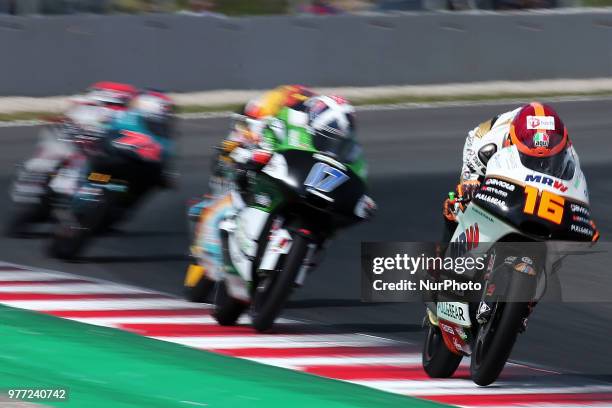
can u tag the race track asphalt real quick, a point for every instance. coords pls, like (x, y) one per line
(414, 157)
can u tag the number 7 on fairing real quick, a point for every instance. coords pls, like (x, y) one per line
(324, 178)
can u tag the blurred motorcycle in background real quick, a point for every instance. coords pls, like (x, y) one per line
(296, 177)
(119, 169)
(61, 146)
(93, 165)
(255, 248)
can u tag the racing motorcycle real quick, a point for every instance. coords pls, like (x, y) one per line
(526, 209)
(99, 190)
(60, 148)
(256, 247)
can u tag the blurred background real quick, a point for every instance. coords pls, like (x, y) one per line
(221, 8)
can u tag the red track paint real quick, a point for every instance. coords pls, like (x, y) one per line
(310, 351)
(175, 329)
(75, 314)
(44, 282)
(79, 296)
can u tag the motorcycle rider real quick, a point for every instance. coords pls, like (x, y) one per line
(288, 115)
(249, 122)
(322, 123)
(99, 105)
(88, 115)
(540, 137)
(146, 128)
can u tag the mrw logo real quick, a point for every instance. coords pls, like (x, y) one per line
(556, 184)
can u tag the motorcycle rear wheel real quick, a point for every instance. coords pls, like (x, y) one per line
(201, 292)
(438, 360)
(227, 309)
(22, 217)
(68, 241)
(74, 231)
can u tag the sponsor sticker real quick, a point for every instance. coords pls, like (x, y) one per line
(500, 183)
(556, 184)
(541, 140)
(581, 230)
(491, 200)
(454, 312)
(541, 122)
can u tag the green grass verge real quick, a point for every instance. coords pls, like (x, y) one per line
(104, 367)
(6, 117)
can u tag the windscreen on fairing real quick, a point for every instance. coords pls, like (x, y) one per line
(561, 165)
(342, 148)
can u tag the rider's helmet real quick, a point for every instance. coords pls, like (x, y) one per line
(156, 112)
(332, 123)
(542, 140)
(291, 96)
(112, 95)
(297, 95)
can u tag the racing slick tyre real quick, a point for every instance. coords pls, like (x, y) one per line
(68, 241)
(201, 291)
(272, 293)
(227, 309)
(438, 360)
(74, 231)
(495, 339)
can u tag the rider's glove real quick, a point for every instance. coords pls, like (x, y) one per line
(467, 189)
(448, 208)
(457, 202)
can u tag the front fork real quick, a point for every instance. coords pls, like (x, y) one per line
(279, 246)
(496, 281)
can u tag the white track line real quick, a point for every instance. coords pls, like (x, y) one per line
(10, 276)
(411, 359)
(274, 341)
(457, 387)
(96, 304)
(116, 321)
(71, 288)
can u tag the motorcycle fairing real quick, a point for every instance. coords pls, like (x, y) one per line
(207, 246)
(504, 193)
(243, 240)
(507, 164)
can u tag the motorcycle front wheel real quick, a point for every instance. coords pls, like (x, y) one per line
(272, 293)
(496, 338)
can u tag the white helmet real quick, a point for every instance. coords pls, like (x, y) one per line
(332, 122)
(155, 109)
